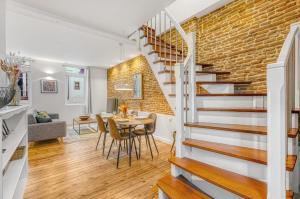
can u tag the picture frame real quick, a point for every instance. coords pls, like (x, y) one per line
(138, 86)
(49, 86)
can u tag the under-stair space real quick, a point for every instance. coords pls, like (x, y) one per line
(224, 134)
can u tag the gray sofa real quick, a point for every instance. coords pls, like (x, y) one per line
(46, 131)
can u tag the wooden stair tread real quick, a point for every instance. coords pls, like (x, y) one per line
(213, 72)
(223, 82)
(177, 189)
(230, 94)
(250, 109)
(261, 130)
(244, 153)
(225, 94)
(204, 64)
(289, 194)
(241, 185)
(167, 53)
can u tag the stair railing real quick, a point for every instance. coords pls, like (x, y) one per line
(283, 96)
(176, 50)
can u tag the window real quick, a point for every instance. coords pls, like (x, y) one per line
(75, 85)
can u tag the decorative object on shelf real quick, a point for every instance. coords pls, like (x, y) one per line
(138, 86)
(123, 108)
(84, 117)
(11, 66)
(19, 153)
(49, 86)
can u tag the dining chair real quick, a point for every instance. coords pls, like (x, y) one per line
(118, 136)
(148, 130)
(102, 129)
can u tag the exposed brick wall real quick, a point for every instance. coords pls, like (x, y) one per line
(243, 37)
(153, 101)
(246, 35)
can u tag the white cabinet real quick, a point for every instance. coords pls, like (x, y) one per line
(14, 172)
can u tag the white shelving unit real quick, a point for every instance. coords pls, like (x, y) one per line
(14, 172)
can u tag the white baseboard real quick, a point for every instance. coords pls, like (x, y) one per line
(162, 139)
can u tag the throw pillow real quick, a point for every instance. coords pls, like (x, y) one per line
(43, 117)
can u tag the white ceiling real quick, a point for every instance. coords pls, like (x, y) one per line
(113, 16)
(75, 31)
(87, 32)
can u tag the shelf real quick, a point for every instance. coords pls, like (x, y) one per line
(12, 176)
(9, 111)
(10, 144)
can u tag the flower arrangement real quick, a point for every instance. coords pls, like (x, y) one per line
(123, 108)
(11, 66)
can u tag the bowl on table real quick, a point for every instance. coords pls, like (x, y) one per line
(84, 117)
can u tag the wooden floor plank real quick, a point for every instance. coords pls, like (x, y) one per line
(75, 170)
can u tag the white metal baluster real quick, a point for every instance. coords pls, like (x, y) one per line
(170, 55)
(165, 36)
(147, 27)
(160, 34)
(176, 48)
(155, 33)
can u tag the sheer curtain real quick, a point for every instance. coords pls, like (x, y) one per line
(88, 107)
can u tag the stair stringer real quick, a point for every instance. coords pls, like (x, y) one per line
(166, 89)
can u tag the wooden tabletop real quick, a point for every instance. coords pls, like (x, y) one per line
(88, 121)
(130, 121)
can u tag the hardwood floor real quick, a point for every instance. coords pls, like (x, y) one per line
(74, 169)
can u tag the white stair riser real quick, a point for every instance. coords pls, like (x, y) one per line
(254, 141)
(231, 101)
(215, 88)
(206, 77)
(245, 118)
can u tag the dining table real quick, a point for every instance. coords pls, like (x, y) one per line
(130, 122)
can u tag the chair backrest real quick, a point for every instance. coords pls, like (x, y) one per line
(101, 124)
(134, 112)
(151, 127)
(113, 129)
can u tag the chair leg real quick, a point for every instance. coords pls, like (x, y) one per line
(127, 147)
(112, 142)
(136, 153)
(154, 143)
(140, 145)
(173, 145)
(104, 141)
(98, 140)
(147, 137)
(120, 145)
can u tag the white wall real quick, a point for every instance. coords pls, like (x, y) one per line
(182, 10)
(165, 125)
(55, 103)
(2, 38)
(98, 89)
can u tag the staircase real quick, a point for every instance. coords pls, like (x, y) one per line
(230, 144)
